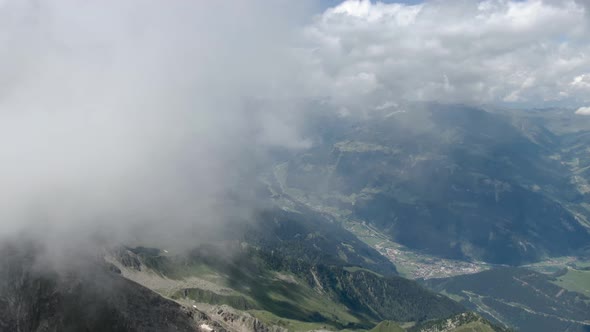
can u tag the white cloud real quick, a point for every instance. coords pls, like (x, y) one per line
(364, 54)
(583, 110)
(582, 82)
(117, 115)
(128, 118)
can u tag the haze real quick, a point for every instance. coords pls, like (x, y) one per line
(128, 120)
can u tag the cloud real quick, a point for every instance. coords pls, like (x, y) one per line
(364, 54)
(583, 110)
(132, 120)
(135, 120)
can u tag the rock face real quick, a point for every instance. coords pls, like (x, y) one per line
(210, 317)
(127, 258)
(94, 296)
(240, 321)
(81, 299)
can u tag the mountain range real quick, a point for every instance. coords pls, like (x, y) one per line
(503, 190)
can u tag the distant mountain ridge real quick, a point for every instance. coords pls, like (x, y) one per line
(449, 181)
(520, 298)
(452, 181)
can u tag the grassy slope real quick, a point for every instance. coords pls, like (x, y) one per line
(279, 298)
(575, 281)
(291, 324)
(287, 291)
(387, 326)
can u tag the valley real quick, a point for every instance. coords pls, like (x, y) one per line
(524, 299)
(383, 231)
(558, 185)
(410, 263)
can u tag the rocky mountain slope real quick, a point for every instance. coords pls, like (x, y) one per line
(33, 298)
(281, 288)
(143, 289)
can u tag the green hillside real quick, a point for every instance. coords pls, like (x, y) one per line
(387, 326)
(296, 289)
(463, 322)
(575, 280)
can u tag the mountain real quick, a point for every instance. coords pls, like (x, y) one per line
(292, 270)
(89, 299)
(284, 290)
(452, 181)
(518, 297)
(572, 133)
(310, 236)
(464, 184)
(296, 296)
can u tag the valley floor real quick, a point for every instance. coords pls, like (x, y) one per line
(410, 263)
